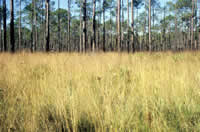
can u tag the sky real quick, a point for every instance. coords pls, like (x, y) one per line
(63, 3)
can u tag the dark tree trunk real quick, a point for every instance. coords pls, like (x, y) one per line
(59, 42)
(84, 26)
(20, 32)
(119, 25)
(69, 21)
(4, 26)
(47, 26)
(192, 26)
(94, 26)
(127, 41)
(33, 27)
(122, 26)
(199, 32)
(150, 46)
(132, 25)
(1, 44)
(116, 28)
(12, 33)
(81, 30)
(104, 28)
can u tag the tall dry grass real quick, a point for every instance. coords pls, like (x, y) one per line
(100, 92)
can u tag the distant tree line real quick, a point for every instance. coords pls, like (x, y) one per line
(99, 25)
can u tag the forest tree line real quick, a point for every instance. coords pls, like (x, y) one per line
(99, 25)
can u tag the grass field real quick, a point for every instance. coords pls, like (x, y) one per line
(100, 92)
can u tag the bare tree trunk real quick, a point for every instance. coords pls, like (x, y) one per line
(33, 27)
(150, 46)
(196, 20)
(20, 32)
(84, 26)
(192, 26)
(132, 25)
(12, 33)
(122, 27)
(59, 42)
(47, 37)
(94, 26)
(4, 26)
(119, 25)
(128, 47)
(104, 28)
(81, 30)
(44, 25)
(164, 30)
(69, 22)
(116, 39)
(1, 44)
(199, 32)
(111, 35)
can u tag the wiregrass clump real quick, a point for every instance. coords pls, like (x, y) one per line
(100, 92)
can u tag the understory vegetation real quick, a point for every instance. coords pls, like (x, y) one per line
(100, 92)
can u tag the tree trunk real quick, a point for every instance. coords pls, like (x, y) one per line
(47, 37)
(116, 39)
(94, 26)
(81, 29)
(1, 44)
(196, 20)
(69, 21)
(4, 26)
(122, 27)
(20, 32)
(132, 24)
(44, 27)
(33, 27)
(127, 41)
(111, 30)
(12, 33)
(84, 26)
(164, 30)
(104, 28)
(199, 32)
(175, 36)
(59, 42)
(119, 25)
(150, 46)
(192, 26)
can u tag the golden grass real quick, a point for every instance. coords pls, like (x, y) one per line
(100, 92)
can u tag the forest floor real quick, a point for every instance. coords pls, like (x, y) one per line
(100, 92)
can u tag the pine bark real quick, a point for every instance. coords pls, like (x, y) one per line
(128, 46)
(12, 34)
(1, 43)
(84, 26)
(104, 28)
(150, 46)
(4, 27)
(33, 27)
(59, 42)
(192, 26)
(20, 32)
(68, 27)
(81, 29)
(94, 26)
(132, 25)
(119, 25)
(47, 37)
